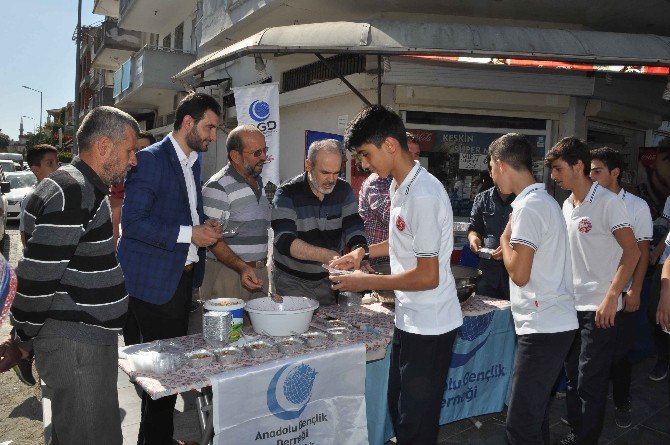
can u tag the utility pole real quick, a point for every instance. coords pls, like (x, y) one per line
(75, 148)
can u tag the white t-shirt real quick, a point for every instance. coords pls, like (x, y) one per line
(594, 250)
(421, 226)
(640, 219)
(546, 303)
(666, 216)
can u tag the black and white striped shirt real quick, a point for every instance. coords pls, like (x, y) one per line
(69, 280)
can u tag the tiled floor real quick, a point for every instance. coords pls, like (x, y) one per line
(651, 418)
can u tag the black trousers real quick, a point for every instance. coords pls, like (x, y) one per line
(588, 369)
(621, 366)
(660, 338)
(417, 377)
(157, 322)
(538, 362)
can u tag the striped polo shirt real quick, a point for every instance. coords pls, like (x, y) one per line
(248, 210)
(332, 224)
(69, 280)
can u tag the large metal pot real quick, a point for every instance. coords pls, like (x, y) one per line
(466, 280)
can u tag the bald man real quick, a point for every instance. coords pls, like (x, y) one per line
(235, 266)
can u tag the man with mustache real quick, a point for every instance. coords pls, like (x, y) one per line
(314, 216)
(71, 301)
(163, 241)
(235, 267)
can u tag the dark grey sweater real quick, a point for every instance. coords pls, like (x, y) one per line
(69, 280)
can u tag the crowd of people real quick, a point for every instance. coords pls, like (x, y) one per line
(96, 266)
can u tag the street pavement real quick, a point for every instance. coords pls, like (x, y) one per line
(651, 408)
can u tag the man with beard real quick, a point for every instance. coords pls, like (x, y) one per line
(314, 216)
(235, 266)
(163, 240)
(71, 302)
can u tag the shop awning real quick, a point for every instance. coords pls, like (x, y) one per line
(445, 39)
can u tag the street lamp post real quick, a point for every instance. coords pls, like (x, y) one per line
(38, 91)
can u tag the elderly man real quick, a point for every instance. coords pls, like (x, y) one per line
(71, 300)
(235, 266)
(314, 216)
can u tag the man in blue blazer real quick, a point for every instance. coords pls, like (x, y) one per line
(163, 241)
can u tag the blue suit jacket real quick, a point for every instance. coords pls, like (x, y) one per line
(155, 205)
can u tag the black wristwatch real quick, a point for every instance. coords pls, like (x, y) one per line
(366, 248)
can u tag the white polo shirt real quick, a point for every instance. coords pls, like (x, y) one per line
(546, 303)
(640, 219)
(421, 226)
(666, 215)
(594, 250)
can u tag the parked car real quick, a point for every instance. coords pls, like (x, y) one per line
(4, 189)
(20, 184)
(16, 158)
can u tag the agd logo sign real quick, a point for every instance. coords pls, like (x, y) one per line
(259, 111)
(290, 390)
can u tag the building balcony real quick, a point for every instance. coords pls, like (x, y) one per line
(103, 96)
(145, 80)
(153, 15)
(109, 8)
(113, 45)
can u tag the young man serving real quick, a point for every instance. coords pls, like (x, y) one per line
(419, 246)
(537, 257)
(604, 254)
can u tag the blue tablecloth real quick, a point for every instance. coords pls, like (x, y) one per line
(478, 383)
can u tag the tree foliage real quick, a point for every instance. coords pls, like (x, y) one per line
(4, 140)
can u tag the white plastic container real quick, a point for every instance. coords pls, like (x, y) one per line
(291, 317)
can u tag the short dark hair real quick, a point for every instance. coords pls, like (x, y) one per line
(36, 153)
(147, 135)
(610, 157)
(513, 149)
(571, 150)
(372, 125)
(104, 121)
(195, 105)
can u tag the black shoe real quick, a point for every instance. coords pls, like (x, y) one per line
(194, 306)
(24, 371)
(570, 439)
(622, 416)
(660, 370)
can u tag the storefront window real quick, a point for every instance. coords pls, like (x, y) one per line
(456, 155)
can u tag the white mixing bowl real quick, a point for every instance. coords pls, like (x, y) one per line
(291, 317)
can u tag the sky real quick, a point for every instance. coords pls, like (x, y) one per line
(37, 50)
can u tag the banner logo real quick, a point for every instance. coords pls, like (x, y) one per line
(259, 110)
(296, 383)
(472, 328)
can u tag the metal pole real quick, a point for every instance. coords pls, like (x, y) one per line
(40, 113)
(75, 148)
(379, 79)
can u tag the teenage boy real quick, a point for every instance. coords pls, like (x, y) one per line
(537, 257)
(606, 168)
(42, 160)
(419, 246)
(604, 254)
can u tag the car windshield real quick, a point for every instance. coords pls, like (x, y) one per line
(19, 181)
(7, 166)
